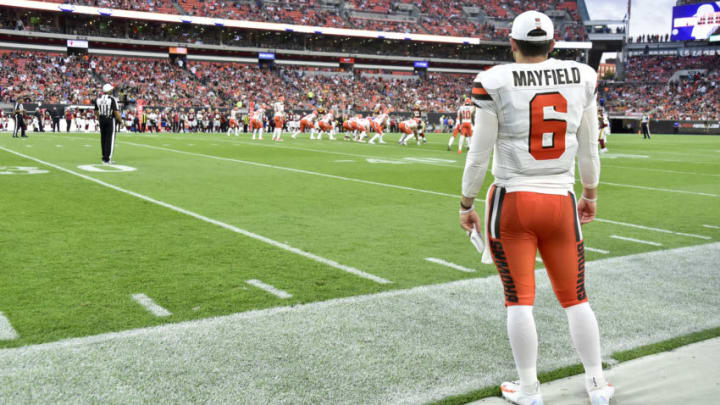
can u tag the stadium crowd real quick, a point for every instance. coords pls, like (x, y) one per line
(487, 20)
(55, 78)
(648, 86)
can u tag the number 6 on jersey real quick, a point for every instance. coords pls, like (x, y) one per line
(547, 136)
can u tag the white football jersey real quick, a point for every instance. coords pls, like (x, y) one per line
(539, 107)
(279, 108)
(259, 114)
(465, 114)
(382, 119)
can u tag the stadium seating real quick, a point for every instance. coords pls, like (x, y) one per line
(648, 86)
(52, 78)
(487, 20)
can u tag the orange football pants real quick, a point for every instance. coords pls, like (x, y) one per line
(519, 224)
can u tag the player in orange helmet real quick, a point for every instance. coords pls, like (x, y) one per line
(307, 122)
(379, 122)
(464, 124)
(279, 118)
(256, 122)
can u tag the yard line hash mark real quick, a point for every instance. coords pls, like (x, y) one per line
(268, 288)
(644, 242)
(605, 252)
(711, 226)
(666, 190)
(284, 246)
(147, 303)
(648, 228)
(7, 332)
(609, 221)
(448, 264)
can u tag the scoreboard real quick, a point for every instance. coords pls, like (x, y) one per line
(696, 22)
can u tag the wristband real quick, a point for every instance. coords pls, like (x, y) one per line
(589, 199)
(466, 211)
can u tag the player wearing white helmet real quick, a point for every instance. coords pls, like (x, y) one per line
(538, 115)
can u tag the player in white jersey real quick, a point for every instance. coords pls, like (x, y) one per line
(307, 122)
(256, 122)
(234, 121)
(464, 124)
(294, 124)
(279, 119)
(363, 126)
(537, 115)
(604, 130)
(380, 122)
(326, 125)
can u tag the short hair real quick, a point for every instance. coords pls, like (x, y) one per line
(534, 48)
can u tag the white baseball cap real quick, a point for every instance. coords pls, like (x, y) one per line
(530, 25)
(107, 88)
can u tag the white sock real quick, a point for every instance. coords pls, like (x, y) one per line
(586, 339)
(462, 140)
(374, 138)
(450, 142)
(524, 343)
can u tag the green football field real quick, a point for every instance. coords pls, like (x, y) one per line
(202, 214)
(210, 225)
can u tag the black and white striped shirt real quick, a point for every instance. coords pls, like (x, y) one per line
(106, 106)
(20, 109)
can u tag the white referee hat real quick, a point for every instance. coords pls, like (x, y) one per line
(107, 88)
(530, 25)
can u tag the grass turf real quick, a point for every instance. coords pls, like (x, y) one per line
(74, 251)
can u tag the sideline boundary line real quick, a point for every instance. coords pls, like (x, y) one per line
(284, 246)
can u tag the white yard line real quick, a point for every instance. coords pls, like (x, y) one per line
(667, 190)
(448, 264)
(605, 252)
(284, 246)
(268, 288)
(454, 332)
(394, 186)
(644, 242)
(150, 305)
(661, 170)
(637, 226)
(648, 228)
(290, 169)
(711, 226)
(7, 332)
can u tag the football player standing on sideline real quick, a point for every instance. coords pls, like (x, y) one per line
(108, 111)
(538, 114)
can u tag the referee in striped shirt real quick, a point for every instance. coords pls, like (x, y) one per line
(19, 115)
(107, 110)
